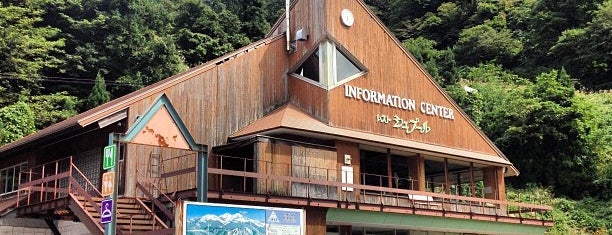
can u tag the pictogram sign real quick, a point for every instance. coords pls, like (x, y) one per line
(107, 211)
(108, 181)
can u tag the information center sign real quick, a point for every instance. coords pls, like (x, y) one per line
(211, 218)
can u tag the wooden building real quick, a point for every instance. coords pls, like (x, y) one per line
(338, 119)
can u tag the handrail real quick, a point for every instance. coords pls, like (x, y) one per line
(98, 193)
(244, 172)
(86, 180)
(369, 187)
(73, 186)
(155, 201)
(157, 219)
(441, 202)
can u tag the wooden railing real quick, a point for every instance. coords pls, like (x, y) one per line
(330, 187)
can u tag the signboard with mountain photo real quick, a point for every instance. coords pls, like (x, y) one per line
(224, 219)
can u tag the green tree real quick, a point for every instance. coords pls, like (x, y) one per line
(253, 15)
(545, 23)
(122, 38)
(546, 143)
(585, 51)
(489, 42)
(99, 95)
(52, 108)
(439, 63)
(16, 121)
(204, 34)
(598, 126)
(25, 50)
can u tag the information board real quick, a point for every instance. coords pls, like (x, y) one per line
(212, 218)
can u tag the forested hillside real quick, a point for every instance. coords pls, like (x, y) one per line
(535, 75)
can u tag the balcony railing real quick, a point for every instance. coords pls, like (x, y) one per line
(325, 184)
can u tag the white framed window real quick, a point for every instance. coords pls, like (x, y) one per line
(329, 65)
(9, 177)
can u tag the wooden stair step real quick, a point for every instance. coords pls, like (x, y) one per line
(134, 221)
(99, 199)
(126, 228)
(131, 215)
(135, 216)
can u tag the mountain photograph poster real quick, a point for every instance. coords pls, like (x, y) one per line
(224, 219)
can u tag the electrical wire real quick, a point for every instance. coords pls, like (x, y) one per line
(68, 80)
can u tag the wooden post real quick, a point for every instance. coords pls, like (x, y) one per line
(472, 186)
(458, 189)
(389, 169)
(345, 229)
(447, 181)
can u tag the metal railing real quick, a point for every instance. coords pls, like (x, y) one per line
(56, 180)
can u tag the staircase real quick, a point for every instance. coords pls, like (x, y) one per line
(133, 216)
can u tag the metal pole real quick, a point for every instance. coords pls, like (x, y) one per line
(202, 180)
(111, 228)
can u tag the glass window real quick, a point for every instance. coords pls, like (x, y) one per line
(328, 66)
(344, 67)
(310, 68)
(9, 177)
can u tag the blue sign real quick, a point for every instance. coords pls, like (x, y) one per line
(283, 217)
(107, 211)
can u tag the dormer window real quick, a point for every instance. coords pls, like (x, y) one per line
(329, 66)
(310, 67)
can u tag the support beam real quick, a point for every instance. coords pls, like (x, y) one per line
(202, 174)
(472, 185)
(416, 173)
(458, 189)
(389, 169)
(346, 230)
(316, 220)
(446, 179)
(52, 226)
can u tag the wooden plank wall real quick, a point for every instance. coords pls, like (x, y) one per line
(314, 163)
(310, 98)
(342, 148)
(316, 222)
(220, 100)
(391, 71)
(307, 14)
(275, 159)
(168, 160)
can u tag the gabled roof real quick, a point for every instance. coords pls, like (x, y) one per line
(290, 119)
(161, 126)
(94, 115)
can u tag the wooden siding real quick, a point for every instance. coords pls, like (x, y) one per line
(306, 14)
(274, 159)
(152, 162)
(310, 98)
(316, 222)
(342, 148)
(222, 99)
(392, 71)
(313, 163)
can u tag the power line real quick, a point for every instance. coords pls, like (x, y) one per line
(64, 80)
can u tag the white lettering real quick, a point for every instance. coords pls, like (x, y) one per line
(395, 101)
(366, 95)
